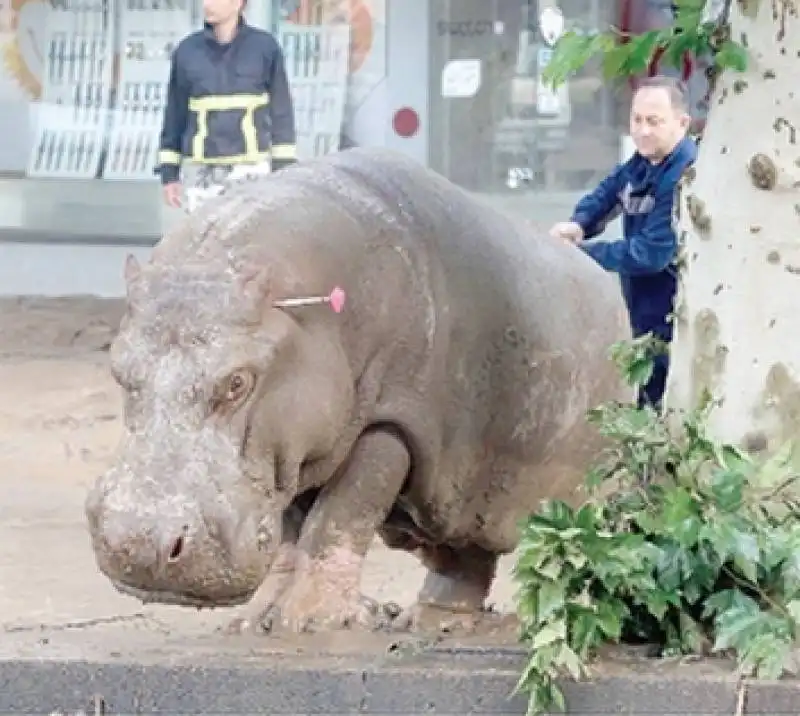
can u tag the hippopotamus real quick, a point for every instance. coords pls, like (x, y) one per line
(269, 443)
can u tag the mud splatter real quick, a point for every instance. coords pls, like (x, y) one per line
(710, 354)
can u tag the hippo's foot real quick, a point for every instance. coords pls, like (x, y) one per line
(358, 612)
(443, 619)
(325, 596)
(454, 592)
(274, 585)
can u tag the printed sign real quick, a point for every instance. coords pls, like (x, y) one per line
(461, 78)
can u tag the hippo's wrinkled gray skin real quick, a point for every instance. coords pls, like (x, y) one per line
(437, 410)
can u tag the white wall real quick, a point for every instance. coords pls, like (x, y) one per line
(393, 77)
(64, 269)
(407, 63)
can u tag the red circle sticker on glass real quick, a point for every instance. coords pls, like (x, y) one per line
(405, 122)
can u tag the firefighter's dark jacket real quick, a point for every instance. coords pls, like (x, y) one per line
(227, 103)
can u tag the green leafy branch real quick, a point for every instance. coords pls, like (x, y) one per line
(683, 543)
(623, 54)
(634, 358)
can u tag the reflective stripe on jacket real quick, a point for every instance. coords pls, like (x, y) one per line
(227, 103)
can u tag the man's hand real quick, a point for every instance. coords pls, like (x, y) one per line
(172, 194)
(567, 231)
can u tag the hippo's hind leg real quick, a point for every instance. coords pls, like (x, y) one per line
(336, 535)
(453, 595)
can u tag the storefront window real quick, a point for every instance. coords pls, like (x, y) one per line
(82, 86)
(454, 83)
(498, 130)
(336, 55)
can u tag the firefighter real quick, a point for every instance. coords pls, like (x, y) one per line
(229, 110)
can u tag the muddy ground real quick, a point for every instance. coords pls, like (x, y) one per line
(59, 424)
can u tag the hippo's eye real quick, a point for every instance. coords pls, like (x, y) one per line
(232, 390)
(236, 387)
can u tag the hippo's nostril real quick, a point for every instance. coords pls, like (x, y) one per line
(177, 549)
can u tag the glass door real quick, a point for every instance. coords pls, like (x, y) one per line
(507, 132)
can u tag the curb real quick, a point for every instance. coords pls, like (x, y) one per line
(436, 680)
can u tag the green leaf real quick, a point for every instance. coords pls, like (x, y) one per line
(614, 61)
(687, 41)
(673, 567)
(727, 488)
(659, 601)
(640, 370)
(737, 625)
(682, 516)
(551, 569)
(766, 655)
(793, 609)
(587, 517)
(550, 600)
(721, 602)
(559, 514)
(556, 697)
(640, 53)
(557, 631)
(731, 458)
(731, 55)
(570, 54)
(699, 580)
(586, 633)
(609, 618)
(790, 574)
(571, 662)
(722, 536)
(746, 555)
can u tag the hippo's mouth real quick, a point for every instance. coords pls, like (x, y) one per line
(181, 599)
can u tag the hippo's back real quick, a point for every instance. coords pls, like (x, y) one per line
(524, 326)
(491, 252)
(501, 278)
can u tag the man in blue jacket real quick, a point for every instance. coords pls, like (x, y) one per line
(643, 189)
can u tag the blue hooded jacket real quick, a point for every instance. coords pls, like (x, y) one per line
(644, 258)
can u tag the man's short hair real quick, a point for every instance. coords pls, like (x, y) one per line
(675, 89)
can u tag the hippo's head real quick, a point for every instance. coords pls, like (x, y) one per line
(226, 398)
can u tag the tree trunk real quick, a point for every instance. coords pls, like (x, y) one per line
(737, 314)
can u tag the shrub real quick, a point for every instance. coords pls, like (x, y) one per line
(693, 547)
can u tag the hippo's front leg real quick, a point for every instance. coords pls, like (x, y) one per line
(277, 580)
(325, 592)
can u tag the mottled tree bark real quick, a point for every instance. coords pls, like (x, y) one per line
(738, 308)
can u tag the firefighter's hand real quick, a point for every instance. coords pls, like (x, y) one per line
(567, 231)
(172, 194)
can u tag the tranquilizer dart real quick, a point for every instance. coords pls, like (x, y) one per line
(336, 300)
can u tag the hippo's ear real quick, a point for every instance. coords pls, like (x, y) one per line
(133, 269)
(133, 272)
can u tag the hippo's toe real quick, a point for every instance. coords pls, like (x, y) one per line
(435, 619)
(361, 613)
